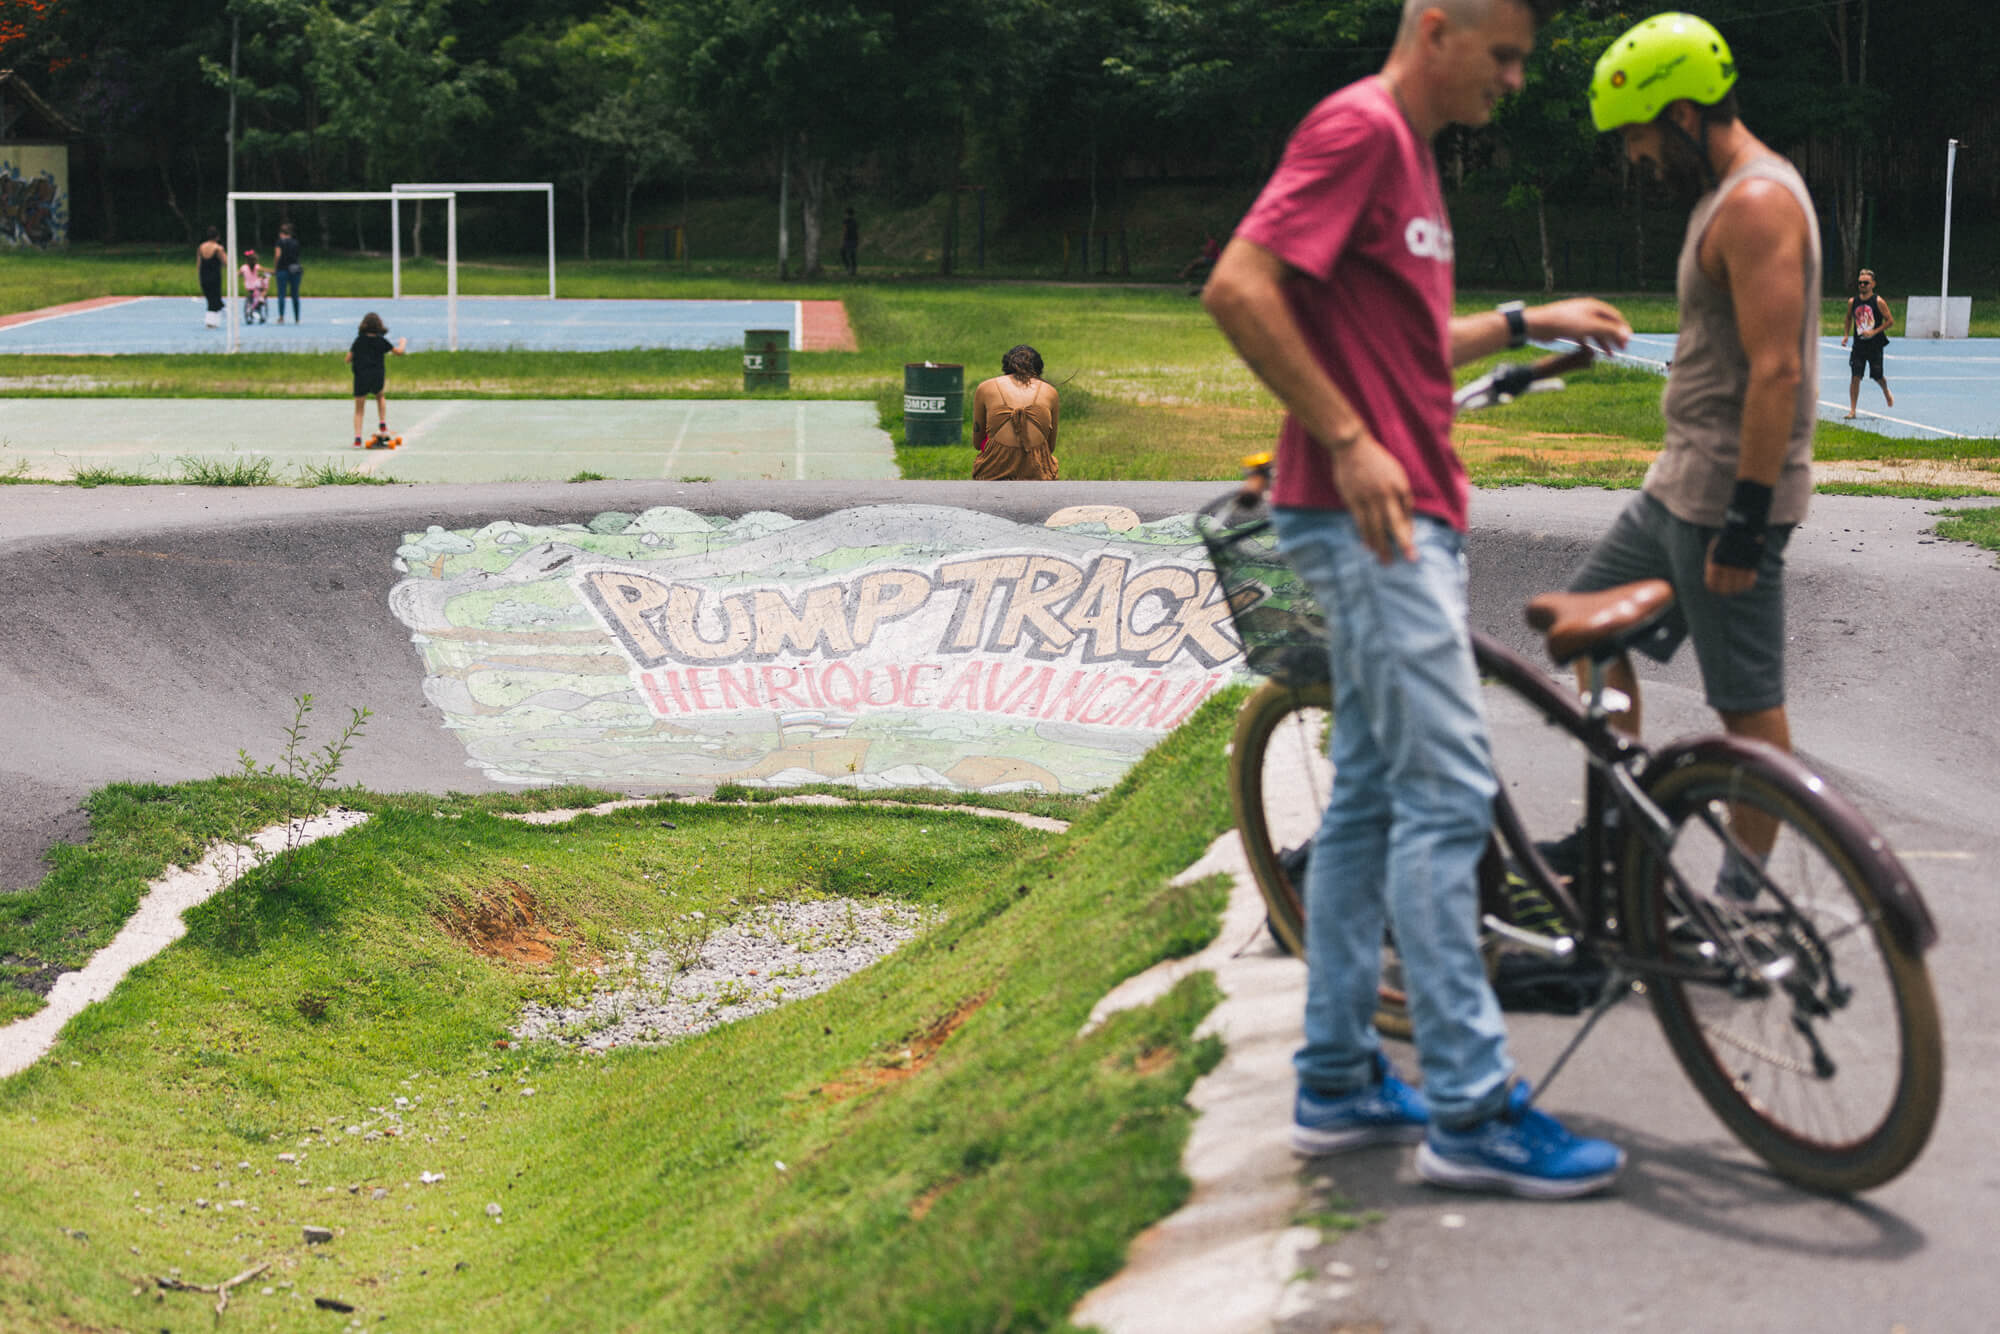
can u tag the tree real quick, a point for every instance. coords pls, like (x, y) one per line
(827, 83)
(1552, 146)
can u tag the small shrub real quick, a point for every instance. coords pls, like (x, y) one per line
(232, 471)
(91, 476)
(338, 474)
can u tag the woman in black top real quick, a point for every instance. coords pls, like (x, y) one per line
(208, 268)
(369, 356)
(289, 270)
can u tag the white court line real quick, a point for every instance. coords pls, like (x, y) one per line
(1841, 408)
(377, 457)
(799, 445)
(112, 305)
(680, 438)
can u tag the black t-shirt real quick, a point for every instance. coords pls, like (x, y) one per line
(371, 352)
(1874, 332)
(288, 251)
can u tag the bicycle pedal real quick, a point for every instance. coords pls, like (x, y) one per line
(1549, 947)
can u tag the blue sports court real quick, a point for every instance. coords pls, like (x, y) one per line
(174, 325)
(1944, 388)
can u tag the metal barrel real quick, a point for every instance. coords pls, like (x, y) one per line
(767, 358)
(933, 404)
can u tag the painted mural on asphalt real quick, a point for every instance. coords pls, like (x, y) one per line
(885, 646)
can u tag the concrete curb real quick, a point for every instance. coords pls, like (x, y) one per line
(1225, 1261)
(155, 925)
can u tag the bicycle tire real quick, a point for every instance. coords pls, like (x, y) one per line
(1279, 747)
(1758, 1052)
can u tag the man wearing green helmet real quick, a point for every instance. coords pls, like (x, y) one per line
(1735, 471)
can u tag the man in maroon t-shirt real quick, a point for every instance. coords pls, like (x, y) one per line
(1337, 290)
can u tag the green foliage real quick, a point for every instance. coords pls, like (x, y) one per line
(1980, 526)
(234, 470)
(929, 1145)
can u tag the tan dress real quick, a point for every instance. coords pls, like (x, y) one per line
(1019, 423)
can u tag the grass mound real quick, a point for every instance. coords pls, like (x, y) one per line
(926, 1146)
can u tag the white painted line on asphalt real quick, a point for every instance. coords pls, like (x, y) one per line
(1829, 403)
(153, 926)
(680, 438)
(799, 444)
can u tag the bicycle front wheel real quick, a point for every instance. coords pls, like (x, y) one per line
(1280, 778)
(1279, 782)
(1787, 995)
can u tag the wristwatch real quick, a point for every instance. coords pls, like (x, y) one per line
(1517, 322)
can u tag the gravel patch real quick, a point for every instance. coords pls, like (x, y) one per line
(665, 988)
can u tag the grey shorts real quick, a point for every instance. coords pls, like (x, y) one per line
(1739, 641)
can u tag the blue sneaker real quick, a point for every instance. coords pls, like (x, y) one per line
(1386, 1112)
(1521, 1151)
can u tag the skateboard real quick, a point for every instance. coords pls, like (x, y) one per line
(382, 440)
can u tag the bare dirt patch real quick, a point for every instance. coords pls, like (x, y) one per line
(504, 922)
(912, 1058)
(1910, 472)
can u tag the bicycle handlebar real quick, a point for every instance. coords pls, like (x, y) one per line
(1509, 380)
(1503, 384)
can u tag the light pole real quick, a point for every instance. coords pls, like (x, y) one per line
(1944, 283)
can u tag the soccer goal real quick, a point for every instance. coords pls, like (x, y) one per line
(416, 190)
(353, 197)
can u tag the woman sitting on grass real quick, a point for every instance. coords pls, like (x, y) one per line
(1014, 422)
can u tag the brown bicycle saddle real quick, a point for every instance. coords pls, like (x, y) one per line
(1579, 623)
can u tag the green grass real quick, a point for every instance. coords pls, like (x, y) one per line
(1980, 526)
(337, 474)
(233, 470)
(955, 1157)
(1150, 389)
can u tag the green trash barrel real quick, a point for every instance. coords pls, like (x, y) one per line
(933, 404)
(767, 358)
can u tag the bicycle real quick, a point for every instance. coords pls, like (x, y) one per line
(1791, 985)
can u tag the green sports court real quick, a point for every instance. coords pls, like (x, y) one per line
(456, 440)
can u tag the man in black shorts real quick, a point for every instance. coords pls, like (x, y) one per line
(1868, 321)
(1735, 472)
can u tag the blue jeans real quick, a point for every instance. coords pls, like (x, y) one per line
(288, 277)
(1403, 834)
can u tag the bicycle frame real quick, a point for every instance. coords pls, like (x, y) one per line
(1618, 761)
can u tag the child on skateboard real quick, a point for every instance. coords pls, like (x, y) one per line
(369, 356)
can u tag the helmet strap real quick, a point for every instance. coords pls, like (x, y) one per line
(1700, 148)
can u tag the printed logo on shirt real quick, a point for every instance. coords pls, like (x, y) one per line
(1428, 240)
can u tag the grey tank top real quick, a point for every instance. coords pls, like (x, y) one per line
(1703, 403)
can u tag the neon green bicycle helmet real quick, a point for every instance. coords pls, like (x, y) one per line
(1663, 59)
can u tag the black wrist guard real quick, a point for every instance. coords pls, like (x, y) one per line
(1741, 545)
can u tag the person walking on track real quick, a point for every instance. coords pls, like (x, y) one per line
(1868, 322)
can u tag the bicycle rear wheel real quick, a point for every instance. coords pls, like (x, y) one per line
(1804, 1021)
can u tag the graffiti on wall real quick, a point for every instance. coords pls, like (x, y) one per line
(34, 203)
(885, 646)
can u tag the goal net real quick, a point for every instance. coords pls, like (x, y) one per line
(392, 198)
(418, 189)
